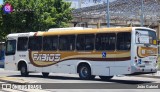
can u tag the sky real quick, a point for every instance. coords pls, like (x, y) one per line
(1, 2)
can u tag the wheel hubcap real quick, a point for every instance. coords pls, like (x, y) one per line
(84, 72)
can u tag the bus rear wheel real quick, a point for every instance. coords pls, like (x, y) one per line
(85, 72)
(106, 77)
(24, 71)
(45, 74)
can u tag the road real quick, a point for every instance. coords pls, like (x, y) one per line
(71, 82)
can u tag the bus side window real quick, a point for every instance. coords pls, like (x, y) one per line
(35, 43)
(50, 43)
(80, 42)
(124, 41)
(67, 42)
(89, 42)
(85, 42)
(22, 44)
(11, 47)
(105, 41)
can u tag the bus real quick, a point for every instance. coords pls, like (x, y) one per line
(2, 54)
(103, 52)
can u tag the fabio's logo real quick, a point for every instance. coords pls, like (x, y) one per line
(7, 8)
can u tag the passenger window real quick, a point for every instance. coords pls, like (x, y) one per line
(35, 43)
(124, 41)
(50, 43)
(67, 42)
(22, 44)
(105, 41)
(85, 42)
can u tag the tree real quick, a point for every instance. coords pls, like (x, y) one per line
(2, 33)
(35, 15)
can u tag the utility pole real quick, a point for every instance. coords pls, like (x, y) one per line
(142, 13)
(108, 14)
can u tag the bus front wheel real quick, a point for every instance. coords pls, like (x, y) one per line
(85, 72)
(24, 71)
(106, 77)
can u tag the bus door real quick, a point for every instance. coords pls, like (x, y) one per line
(10, 52)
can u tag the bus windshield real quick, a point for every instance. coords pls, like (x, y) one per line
(144, 36)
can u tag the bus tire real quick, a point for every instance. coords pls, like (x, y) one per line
(24, 71)
(106, 77)
(45, 74)
(84, 71)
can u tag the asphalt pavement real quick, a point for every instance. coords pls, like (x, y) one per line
(59, 82)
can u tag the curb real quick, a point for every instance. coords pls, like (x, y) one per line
(13, 80)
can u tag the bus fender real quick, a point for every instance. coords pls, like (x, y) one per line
(24, 61)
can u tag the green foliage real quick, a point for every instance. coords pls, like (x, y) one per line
(35, 15)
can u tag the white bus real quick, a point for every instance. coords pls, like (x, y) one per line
(102, 52)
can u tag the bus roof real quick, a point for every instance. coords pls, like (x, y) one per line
(20, 34)
(86, 31)
(78, 31)
(68, 28)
